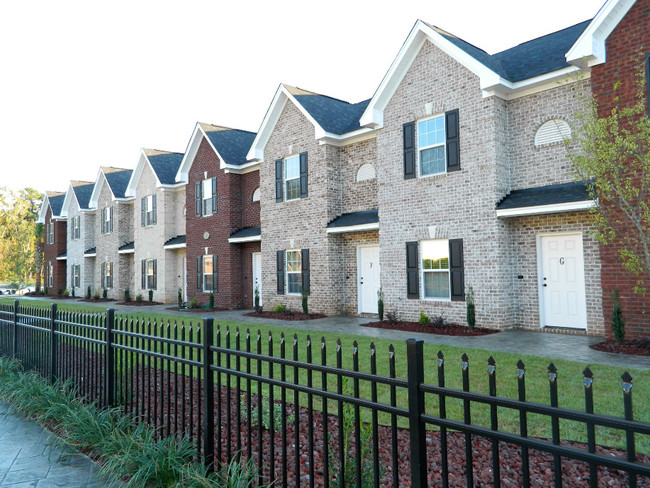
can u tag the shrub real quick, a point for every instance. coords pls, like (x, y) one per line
(471, 312)
(150, 296)
(305, 297)
(618, 324)
(180, 298)
(280, 308)
(138, 298)
(96, 295)
(438, 321)
(60, 291)
(211, 301)
(391, 316)
(194, 303)
(127, 295)
(380, 304)
(88, 293)
(66, 293)
(257, 299)
(424, 318)
(278, 414)
(72, 292)
(105, 294)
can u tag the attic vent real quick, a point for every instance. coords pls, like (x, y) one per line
(256, 195)
(366, 172)
(551, 132)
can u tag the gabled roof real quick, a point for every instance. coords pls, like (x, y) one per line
(163, 164)
(247, 234)
(230, 145)
(79, 192)
(567, 197)
(117, 180)
(53, 200)
(354, 222)
(334, 120)
(178, 242)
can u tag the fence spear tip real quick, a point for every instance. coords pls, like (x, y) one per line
(441, 355)
(587, 373)
(552, 368)
(520, 364)
(464, 357)
(491, 361)
(626, 377)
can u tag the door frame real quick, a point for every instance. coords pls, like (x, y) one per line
(253, 256)
(359, 247)
(540, 275)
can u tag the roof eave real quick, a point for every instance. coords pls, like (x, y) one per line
(358, 135)
(547, 209)
(239, 240)
(353, 228)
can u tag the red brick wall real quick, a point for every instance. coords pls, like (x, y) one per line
(626, 50)
(51, 251)
(234, 211)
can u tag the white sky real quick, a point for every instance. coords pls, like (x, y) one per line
(86, 83)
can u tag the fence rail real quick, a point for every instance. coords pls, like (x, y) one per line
(306, 422)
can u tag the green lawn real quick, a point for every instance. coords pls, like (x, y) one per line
(608, 396)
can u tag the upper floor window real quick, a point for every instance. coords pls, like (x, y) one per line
(107, 220)
(148, 214)
(438, 145)
(206, 197)
(366, 172)
(50, 232)
(256, 195)
(75, 230)
(291, 178)
(149, 274)
(552, 132)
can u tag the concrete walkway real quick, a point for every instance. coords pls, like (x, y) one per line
(27, 458)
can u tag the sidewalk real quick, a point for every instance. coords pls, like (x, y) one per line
(28, 460)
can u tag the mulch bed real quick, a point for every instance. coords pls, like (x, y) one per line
(638, 347)
(139, 304)
(96, 300)
(447, 329)
(196, 310)
(286, 315)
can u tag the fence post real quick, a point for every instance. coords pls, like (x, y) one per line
(629, 415)
(53, 344)
(417, 436)
(15, 342)
(110, 358)
(208, 396)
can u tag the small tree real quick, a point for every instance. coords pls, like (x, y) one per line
(257, 299)
(180, 298)
(380, 304)
(211, 302)
(305, 297)
(618, 324)
(471, 312)
(150, 296)
(127, 295)
(88, 293)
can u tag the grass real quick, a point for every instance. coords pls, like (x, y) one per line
(608, 396)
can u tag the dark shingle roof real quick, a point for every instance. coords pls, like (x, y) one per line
(333, 115)
(56, 204)
(62, 256)
(92, 250)
(118, 181)
(175, 241)
(129, 246)
(232, 144)
(546, 195)
(246, 232)
(83, 192)
(355, 218)
(166, 166)
(529, 59)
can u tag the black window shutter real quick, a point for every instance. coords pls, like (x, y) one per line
(215, 288)
(197, 198)
(143, 209)
(154, 219)
(412, 279)
(103, 221)
(199, 274)
(303, 175)
(457, 275)
(155, 274)
(453, 140)
(111, 219)
(112, 270)
(280, 272)
(278, 180)
(305, 270)
(408, 133)
(144, 274)
(214, 196)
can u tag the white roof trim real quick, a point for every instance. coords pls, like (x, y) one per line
(353, 228)
(190, 153)
(90, 255)
(547, 209)
(238, 240)
(126, 251)
(175, 246)
(62, 258)
(137, 173)
(97, 189)
(67, 201)
(590, 48)
(43, 210)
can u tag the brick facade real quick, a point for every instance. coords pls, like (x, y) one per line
(627, 48)
(77, 247)
(50, 253)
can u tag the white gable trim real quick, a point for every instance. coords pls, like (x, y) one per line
(70, 197)
(43, 211)
(590, 48)
(137, 174)
(547, 209)
(190, 153)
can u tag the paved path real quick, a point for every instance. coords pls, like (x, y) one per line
(27, 458)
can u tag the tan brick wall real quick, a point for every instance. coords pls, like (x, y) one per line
(362, 195)
(77, 247)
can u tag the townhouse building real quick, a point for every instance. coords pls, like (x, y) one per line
(54, 238)
(111, 256)
(80, 236)
(155, 254)
(222, 218)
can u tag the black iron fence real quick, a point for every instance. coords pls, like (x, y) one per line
(306, 420)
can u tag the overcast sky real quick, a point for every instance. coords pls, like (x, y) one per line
(85, 84)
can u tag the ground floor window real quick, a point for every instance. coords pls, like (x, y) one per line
(294, 272)
(50, 275)
(435, 269)
(107, 274)
(206, 273)
(76, 276)
(149, 273)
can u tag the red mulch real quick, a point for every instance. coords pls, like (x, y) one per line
(143, 303)
(196, 310)
(286, 315)
(96, 300)
(447, 329)
(638, 347)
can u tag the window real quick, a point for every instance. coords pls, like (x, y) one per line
(293, 271)
(149, 274)
(431, 145)
(366, 172)
(438, 146)
(440, 270)
(76, 276)
(256, 195)
(206, 197)
(206, 273)
(50, 274)
(435, 269)
(75, 231)
(291, 178)
(107, 220)
(50, 232)
(552, 132)
(148, 211)
(107, 275)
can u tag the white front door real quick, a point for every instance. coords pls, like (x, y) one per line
(257, 275)
(368, 278)
(562, 282)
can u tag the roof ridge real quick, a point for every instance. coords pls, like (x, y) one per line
(221, 128)
(112, 169)
(75, 183)
(157, 152)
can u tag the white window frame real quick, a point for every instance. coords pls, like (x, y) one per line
(424, 271)
(297, 272)
(50, 232)
(76, 276)
(76, 227)
(50, 275)
(211, 275)
(107, 220)
(442, 144)
(206, 197)
(285, 180)
(107, 279)
(151, 276)
(149, 211)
